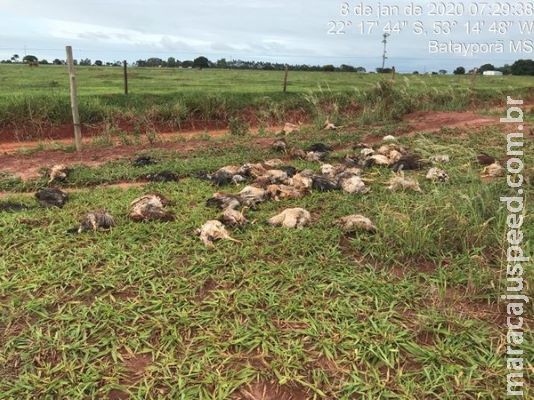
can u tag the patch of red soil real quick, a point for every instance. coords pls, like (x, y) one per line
(135, 365)
(27, 166)
(432, 121)
(270, 391)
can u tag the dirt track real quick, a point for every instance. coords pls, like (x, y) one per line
(27, 166)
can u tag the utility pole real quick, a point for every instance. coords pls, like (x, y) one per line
(384, 57)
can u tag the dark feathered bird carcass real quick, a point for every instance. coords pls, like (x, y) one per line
(163, 176)
(409, 162)
(143, 161)
(51, 197)
(485, 159)
(324, 183)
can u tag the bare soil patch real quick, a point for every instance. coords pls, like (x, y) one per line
(264, 390)
(28, 166)
(135, 365)
(432, 121)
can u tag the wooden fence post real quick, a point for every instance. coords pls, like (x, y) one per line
(74, 101)
(125, 76)
(285, 78)
(474, 77)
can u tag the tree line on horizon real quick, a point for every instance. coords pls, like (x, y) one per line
(519, 67)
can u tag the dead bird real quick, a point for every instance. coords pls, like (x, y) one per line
(440, 159)
(367, 152)
(290, 128)
(409, 162)
(289, 170)
(302, 181)
(319, 148)
(279, 145)
(353, 223)
(351, 160)
(273, 163)
(151, 207)
(329, 126)
(485, 159)
(437, 175)
(291, 218)
(393, 152)
(143, 161)
(224, 201)
(233, 218)
(334, 171)
(250, 196)
(163, 176)
(252, 170)
(328, 170)
(375, 160)
(212, 231)
(314, 156)
(494, 170)
(284, 192)
(11, 206)
(272, 176)
(94, 221)
(297, 154)
(58, 172)
(352, 184)
(237, 179)
(324, 183)
(399, 182)
(51, 197)
(224, 176)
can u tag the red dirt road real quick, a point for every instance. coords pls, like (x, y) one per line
(28, 166)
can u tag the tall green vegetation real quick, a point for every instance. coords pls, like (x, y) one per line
(34, 99)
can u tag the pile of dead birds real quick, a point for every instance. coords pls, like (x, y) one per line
(273, 180)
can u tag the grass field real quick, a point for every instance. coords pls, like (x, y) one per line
(34, 99)
(21, 79)
(147, 311)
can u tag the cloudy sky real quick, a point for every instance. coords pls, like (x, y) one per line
(293, 31)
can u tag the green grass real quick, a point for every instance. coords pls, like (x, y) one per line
(408, 313)
(34, 99)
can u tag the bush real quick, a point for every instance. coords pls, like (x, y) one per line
(238, 127)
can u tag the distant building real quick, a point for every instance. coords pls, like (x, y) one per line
(492, 73)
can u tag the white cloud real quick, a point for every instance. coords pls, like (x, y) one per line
(285, 31)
